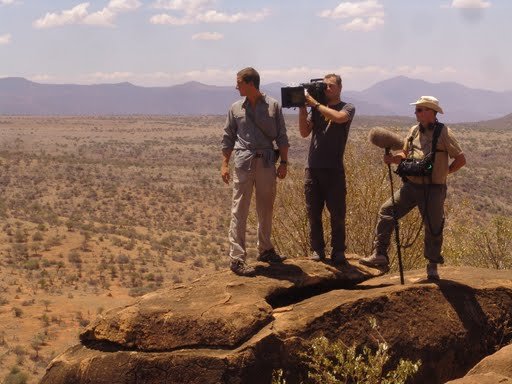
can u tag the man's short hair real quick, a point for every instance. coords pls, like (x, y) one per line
(248, 75)
(338, 78)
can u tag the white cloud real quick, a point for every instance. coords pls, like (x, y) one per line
(213, 16)
(71, 16)
(365, 15)
(123, 5)
(171, 20)
(470, 4)
(183, 5)
(5, 39)
(365, 25)
(80, 15)
(110, 76)
(6, 2)
(199, 11)
(208, 36)
(42, 78)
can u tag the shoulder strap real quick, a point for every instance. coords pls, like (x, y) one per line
(410, 147)
(435, 137)
(436, 134)
(253, 120)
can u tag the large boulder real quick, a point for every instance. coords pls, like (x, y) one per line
(496, 368)
(228, 329)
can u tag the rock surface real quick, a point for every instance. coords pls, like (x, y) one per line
(229, 329)
(496, 368)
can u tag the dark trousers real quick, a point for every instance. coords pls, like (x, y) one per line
(430, 201)
(326, 187)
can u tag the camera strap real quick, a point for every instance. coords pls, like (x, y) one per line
(426, 191)
(435, 137)
(438, 127)
(253, 120)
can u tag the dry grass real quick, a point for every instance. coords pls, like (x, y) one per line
(95, 211)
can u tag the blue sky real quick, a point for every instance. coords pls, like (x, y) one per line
(167, 42)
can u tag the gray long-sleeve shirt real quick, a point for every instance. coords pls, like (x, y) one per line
(246, 139)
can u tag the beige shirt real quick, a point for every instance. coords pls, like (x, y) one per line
(422, 145)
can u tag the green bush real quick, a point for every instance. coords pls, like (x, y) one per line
(74, 257)
(32, 265)
(336, 363)
(333, 363)
(15, 376)
(485, 244)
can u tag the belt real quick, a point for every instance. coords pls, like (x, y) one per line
(258, 155)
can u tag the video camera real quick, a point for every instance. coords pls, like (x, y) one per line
(292, 97)
(414, 167)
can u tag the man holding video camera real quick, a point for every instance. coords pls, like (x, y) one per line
(424, 166)
(252, 125)
(328, 124)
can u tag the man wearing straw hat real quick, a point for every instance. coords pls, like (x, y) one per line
(426, 191)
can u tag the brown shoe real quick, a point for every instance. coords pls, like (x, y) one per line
(270, 256)
(432, 273)
(240, 268)
(376, 260)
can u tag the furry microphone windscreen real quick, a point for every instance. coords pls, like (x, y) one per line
(385, 139)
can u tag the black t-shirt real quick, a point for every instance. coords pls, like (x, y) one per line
(328, 139)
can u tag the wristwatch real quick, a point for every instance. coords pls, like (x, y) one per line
(283, 162)
(317, 105)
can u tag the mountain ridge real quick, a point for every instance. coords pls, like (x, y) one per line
(390, 97)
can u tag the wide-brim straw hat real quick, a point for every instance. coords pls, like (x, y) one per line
(429, 102)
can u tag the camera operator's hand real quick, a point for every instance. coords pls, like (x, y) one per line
(224, 172)
(282, 170)
(310, 101)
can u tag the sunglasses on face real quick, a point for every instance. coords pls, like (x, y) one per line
(419, 110)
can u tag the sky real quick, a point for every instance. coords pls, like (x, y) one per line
(169, 42)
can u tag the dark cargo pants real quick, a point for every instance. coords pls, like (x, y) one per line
(429, 198)
(326, 187)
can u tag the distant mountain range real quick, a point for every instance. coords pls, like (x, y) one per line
(391, 97)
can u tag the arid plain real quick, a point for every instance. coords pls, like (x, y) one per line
(95, 211)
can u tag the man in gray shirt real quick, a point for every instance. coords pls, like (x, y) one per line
(252, 125)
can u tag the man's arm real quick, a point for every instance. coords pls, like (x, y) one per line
(305, 125)
(328, 113)
(282, 143)
(228, 143)
(332, 114)
(457, 163)
(283, 166)
(224, 168)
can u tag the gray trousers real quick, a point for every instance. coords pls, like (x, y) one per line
(430, 201)
(263, 181)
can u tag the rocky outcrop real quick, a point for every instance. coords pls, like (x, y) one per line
(227, 329)
(496, 368)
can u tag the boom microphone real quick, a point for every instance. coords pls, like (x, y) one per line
(385, 139)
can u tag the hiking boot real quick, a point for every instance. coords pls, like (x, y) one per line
(240, 268)
(270, 256)
(432, 272)
(376, 260)
(317, 256)
(338, 258)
